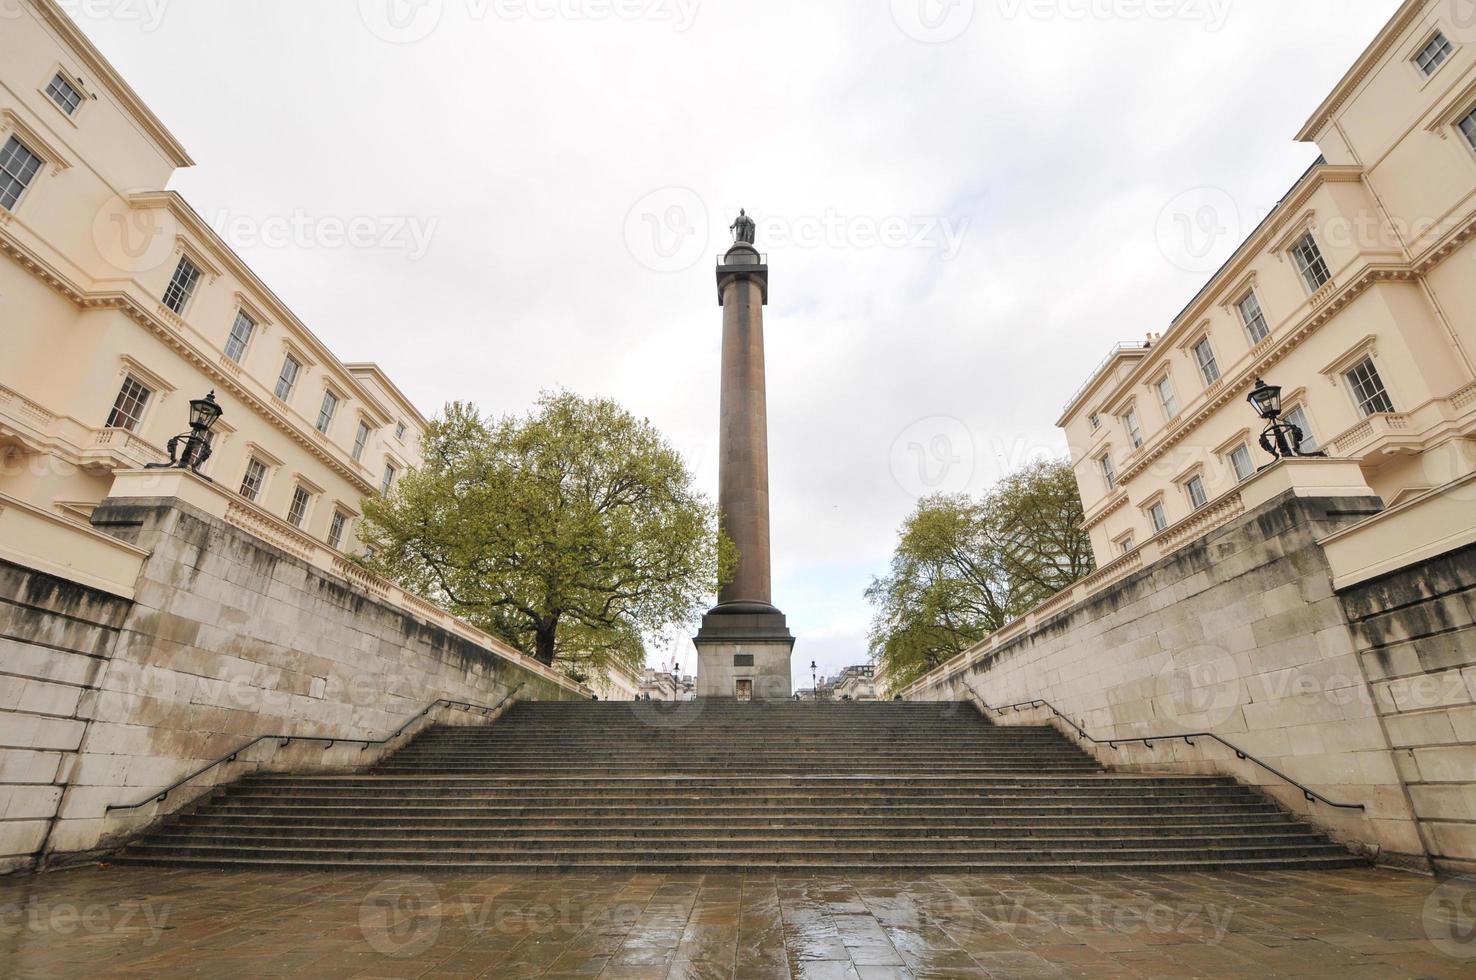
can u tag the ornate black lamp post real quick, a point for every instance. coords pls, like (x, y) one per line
(814, 682)
(189, 450)
(1283, 440)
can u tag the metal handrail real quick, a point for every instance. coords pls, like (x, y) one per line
(286, 740)
(1311, 794)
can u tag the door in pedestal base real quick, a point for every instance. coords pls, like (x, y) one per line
(744, 641)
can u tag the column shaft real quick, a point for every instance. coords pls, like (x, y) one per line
(743, 465)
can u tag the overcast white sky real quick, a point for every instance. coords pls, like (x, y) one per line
(965, 205)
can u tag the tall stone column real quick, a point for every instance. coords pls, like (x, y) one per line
(745, 645)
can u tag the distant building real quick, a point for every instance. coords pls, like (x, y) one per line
(622, 683)
(660, 685)
(855, 684)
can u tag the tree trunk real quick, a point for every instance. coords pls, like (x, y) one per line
(544, 638)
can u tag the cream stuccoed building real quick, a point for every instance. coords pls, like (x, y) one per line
(1356, 295)
(119, 304)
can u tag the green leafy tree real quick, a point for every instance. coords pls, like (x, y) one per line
(964, 568)
(571, 533)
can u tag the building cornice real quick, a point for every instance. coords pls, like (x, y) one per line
(1362, 68)
(1114, 504)
(1275, 352)
(1292, 209)
(191, 221)
(1235, 271)
(1272, 233)
(102, 70)
(368, 367)
(1102, 378)
(207, 365)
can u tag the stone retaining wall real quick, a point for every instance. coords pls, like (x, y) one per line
(227, 638)
(1240, 634)
(1415, 631)
(56, 638)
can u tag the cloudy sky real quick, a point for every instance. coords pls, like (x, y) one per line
(965, 204)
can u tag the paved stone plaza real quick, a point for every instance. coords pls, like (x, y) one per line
(136, 922)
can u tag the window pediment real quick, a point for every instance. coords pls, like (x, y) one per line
(1367, 347)
(13, 124)
(266, 456)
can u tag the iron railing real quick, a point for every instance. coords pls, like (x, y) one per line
(1123, 347)
(286, 740)
(1311, 794)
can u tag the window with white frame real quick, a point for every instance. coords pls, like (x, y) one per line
(1109, 471)
(1368, 389)
(298, 510)
(254, 479)
(64, 94)
(1297, 416)
(1434, 54)
(1096, 421)
(326, 411)
(400, 431)
(336, 527)
(1468, 126)
(1134, 428)
(361, 439)
(1126, 544)
(1204, 356)
(1167, 398)
(1242, 462)
(1254, 318)
(1159, 516)
(18, 168)
(1310, 262)
(1198, 495)
(389, 477)
(240, 337)
(287, 380)
(182, 286)
(129, 407)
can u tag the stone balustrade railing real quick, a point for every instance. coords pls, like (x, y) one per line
(50, 543)
(1305, 477)
(233, 509)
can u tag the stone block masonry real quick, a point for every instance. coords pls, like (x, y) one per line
(104, 700)
(1241, 634)
(1415, 633)
(56, 638)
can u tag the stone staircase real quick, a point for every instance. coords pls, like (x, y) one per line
(723, 786)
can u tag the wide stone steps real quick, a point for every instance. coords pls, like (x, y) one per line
(948, 861)
(409, 796)
(729, 788)
(747, 811)
(565, 849)
(727, 829)
(1099, 782)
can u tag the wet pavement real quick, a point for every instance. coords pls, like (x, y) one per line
(140, 922)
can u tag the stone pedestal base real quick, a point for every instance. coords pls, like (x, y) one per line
(743, 650)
